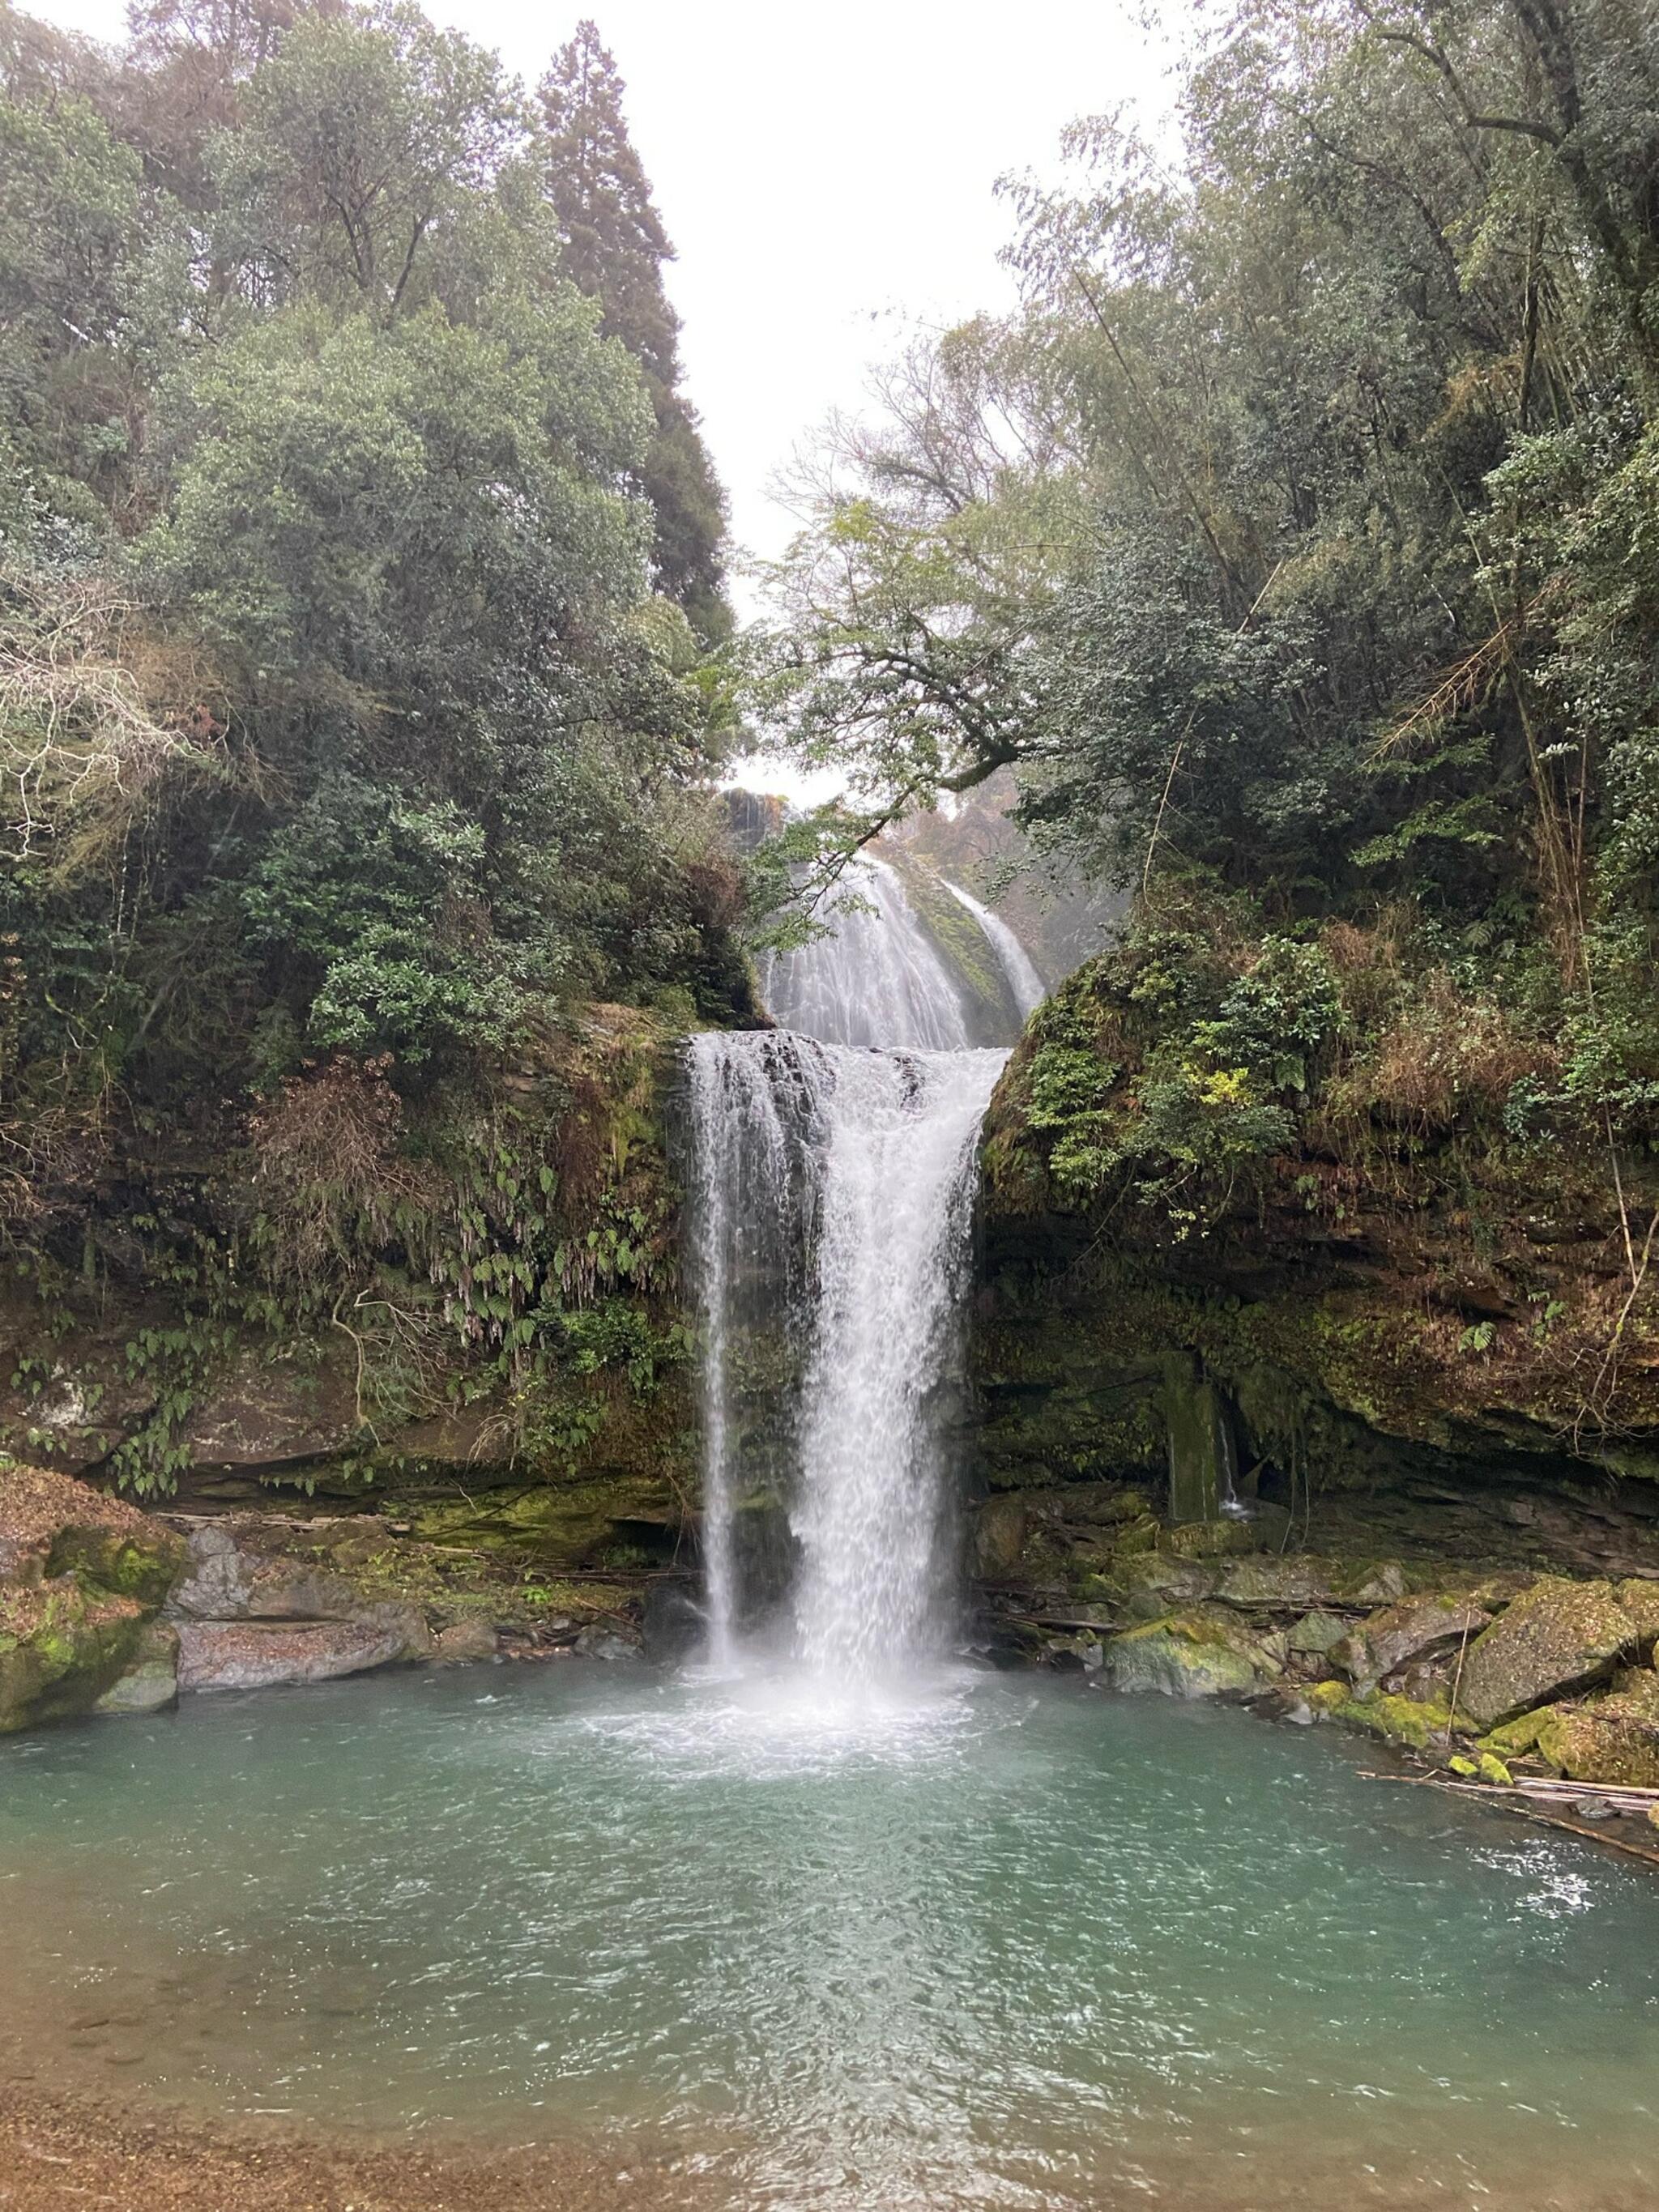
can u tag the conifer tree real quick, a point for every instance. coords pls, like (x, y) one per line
(615, 247)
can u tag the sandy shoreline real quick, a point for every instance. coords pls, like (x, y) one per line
(62, 2148)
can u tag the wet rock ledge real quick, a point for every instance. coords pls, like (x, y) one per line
(1495, 1667)
(106, 1609)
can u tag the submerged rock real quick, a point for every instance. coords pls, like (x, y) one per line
(1188, 1656)
(1555, 1637)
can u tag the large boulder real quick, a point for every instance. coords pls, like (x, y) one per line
(1554, 1639)
(249, 1617)
(81, 1578)
(1149, 1585)
(1188, 1656)
(1386, 1641)
(246, 1654)
(1297, 1582)
(149, 1682)
(1613, 1739)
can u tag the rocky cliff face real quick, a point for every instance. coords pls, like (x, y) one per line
(1384, 1364)
(1383, 1308)
(477, 1316)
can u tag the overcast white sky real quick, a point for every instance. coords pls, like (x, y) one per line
(825, 173)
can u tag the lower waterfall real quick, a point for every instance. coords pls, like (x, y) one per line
(832, 1186)
(831, 1210)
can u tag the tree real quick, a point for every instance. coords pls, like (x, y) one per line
(360, 142)
(615, 248)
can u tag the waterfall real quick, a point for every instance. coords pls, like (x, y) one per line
(1027, 986)
(831, 1191)
(879, 980)
(872, 1509)
(751, 1114)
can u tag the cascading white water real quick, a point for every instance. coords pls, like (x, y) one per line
(1028, 988)
(877, 980)
(832, 1195)
(872, 1510)
(750, 1113)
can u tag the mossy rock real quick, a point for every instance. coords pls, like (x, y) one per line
(1212, 1540)
(1145, 1585)
(1516, 1739)
(999, 1529)
(1555, 1637)
(568, 1525)
(80, 1575)
(61, 1647)
(1188, 1656)
(141, 1564)
(1640, 1600)
(1315, 1633)
(1406, 1723)
(1387, 1640)
(1142, 1534)
(1300, 1581)
(150, 1682)
(1615, 1739)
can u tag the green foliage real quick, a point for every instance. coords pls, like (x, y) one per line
(614, 246)
(341, 710)
(377, 894)
(1293, 542)
(1158, 1071)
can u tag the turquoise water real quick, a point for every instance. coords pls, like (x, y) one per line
(1005, 1943)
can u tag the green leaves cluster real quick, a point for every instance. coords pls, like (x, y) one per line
(1158, 1071)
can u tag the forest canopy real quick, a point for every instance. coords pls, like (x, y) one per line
(359, 559)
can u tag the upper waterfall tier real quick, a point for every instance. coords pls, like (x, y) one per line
(877, 979)
(1028, 987)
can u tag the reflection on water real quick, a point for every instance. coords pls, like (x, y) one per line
(994, 1942)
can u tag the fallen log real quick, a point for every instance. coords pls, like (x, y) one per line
(1497, 1796)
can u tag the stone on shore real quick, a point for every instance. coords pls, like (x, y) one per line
(1387, 1641)
(80, 1575)
(248, 1655)
(1188, 1656)
(1554, 1639)
(150, 1682)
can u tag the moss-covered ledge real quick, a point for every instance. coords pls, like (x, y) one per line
(1380, 1304)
